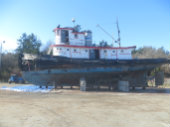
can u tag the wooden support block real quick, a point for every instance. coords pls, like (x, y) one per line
(82, 84)
(123, 86)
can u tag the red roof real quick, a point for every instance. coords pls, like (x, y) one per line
(93, 47)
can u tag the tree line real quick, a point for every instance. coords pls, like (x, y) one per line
(31, 44)
(26, 44)
(151, 52)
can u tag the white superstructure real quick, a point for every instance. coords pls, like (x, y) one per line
(71, 43)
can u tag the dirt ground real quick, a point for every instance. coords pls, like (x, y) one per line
(65, 107)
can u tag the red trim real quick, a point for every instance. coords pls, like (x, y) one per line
(68, 29)
(78, 32)
(118, 47)
(62, 29)
(92, 47)
(73, 46)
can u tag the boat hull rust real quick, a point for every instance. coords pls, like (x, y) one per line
(92, 75)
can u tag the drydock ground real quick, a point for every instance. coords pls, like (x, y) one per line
(66, 107)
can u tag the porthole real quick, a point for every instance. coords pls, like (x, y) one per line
(76, 35)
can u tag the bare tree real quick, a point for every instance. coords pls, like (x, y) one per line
(45, 47)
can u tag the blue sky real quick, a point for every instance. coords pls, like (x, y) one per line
(142, 22)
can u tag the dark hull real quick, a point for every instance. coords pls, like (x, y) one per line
(47, 62)
(67, 71)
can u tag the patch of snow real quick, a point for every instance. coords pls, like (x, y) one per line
(28, 88)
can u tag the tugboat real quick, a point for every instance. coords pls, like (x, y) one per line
(73, 56)
(72, 45)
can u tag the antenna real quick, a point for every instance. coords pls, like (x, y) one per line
(118, 30)
(105, 32)
(73, 20)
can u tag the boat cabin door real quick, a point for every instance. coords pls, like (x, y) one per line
(97, 55)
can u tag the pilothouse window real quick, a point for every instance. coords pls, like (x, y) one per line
(64, 36)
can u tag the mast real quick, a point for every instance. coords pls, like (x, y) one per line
(118, 30)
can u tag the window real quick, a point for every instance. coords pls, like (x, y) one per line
(74, 50)
(60, 48)
(86, 50)
(122, 51)
(67, 49)
(75, 35)
(64, 36)
(113, 51)
(105, 51)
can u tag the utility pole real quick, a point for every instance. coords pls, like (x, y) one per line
(1, 54)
